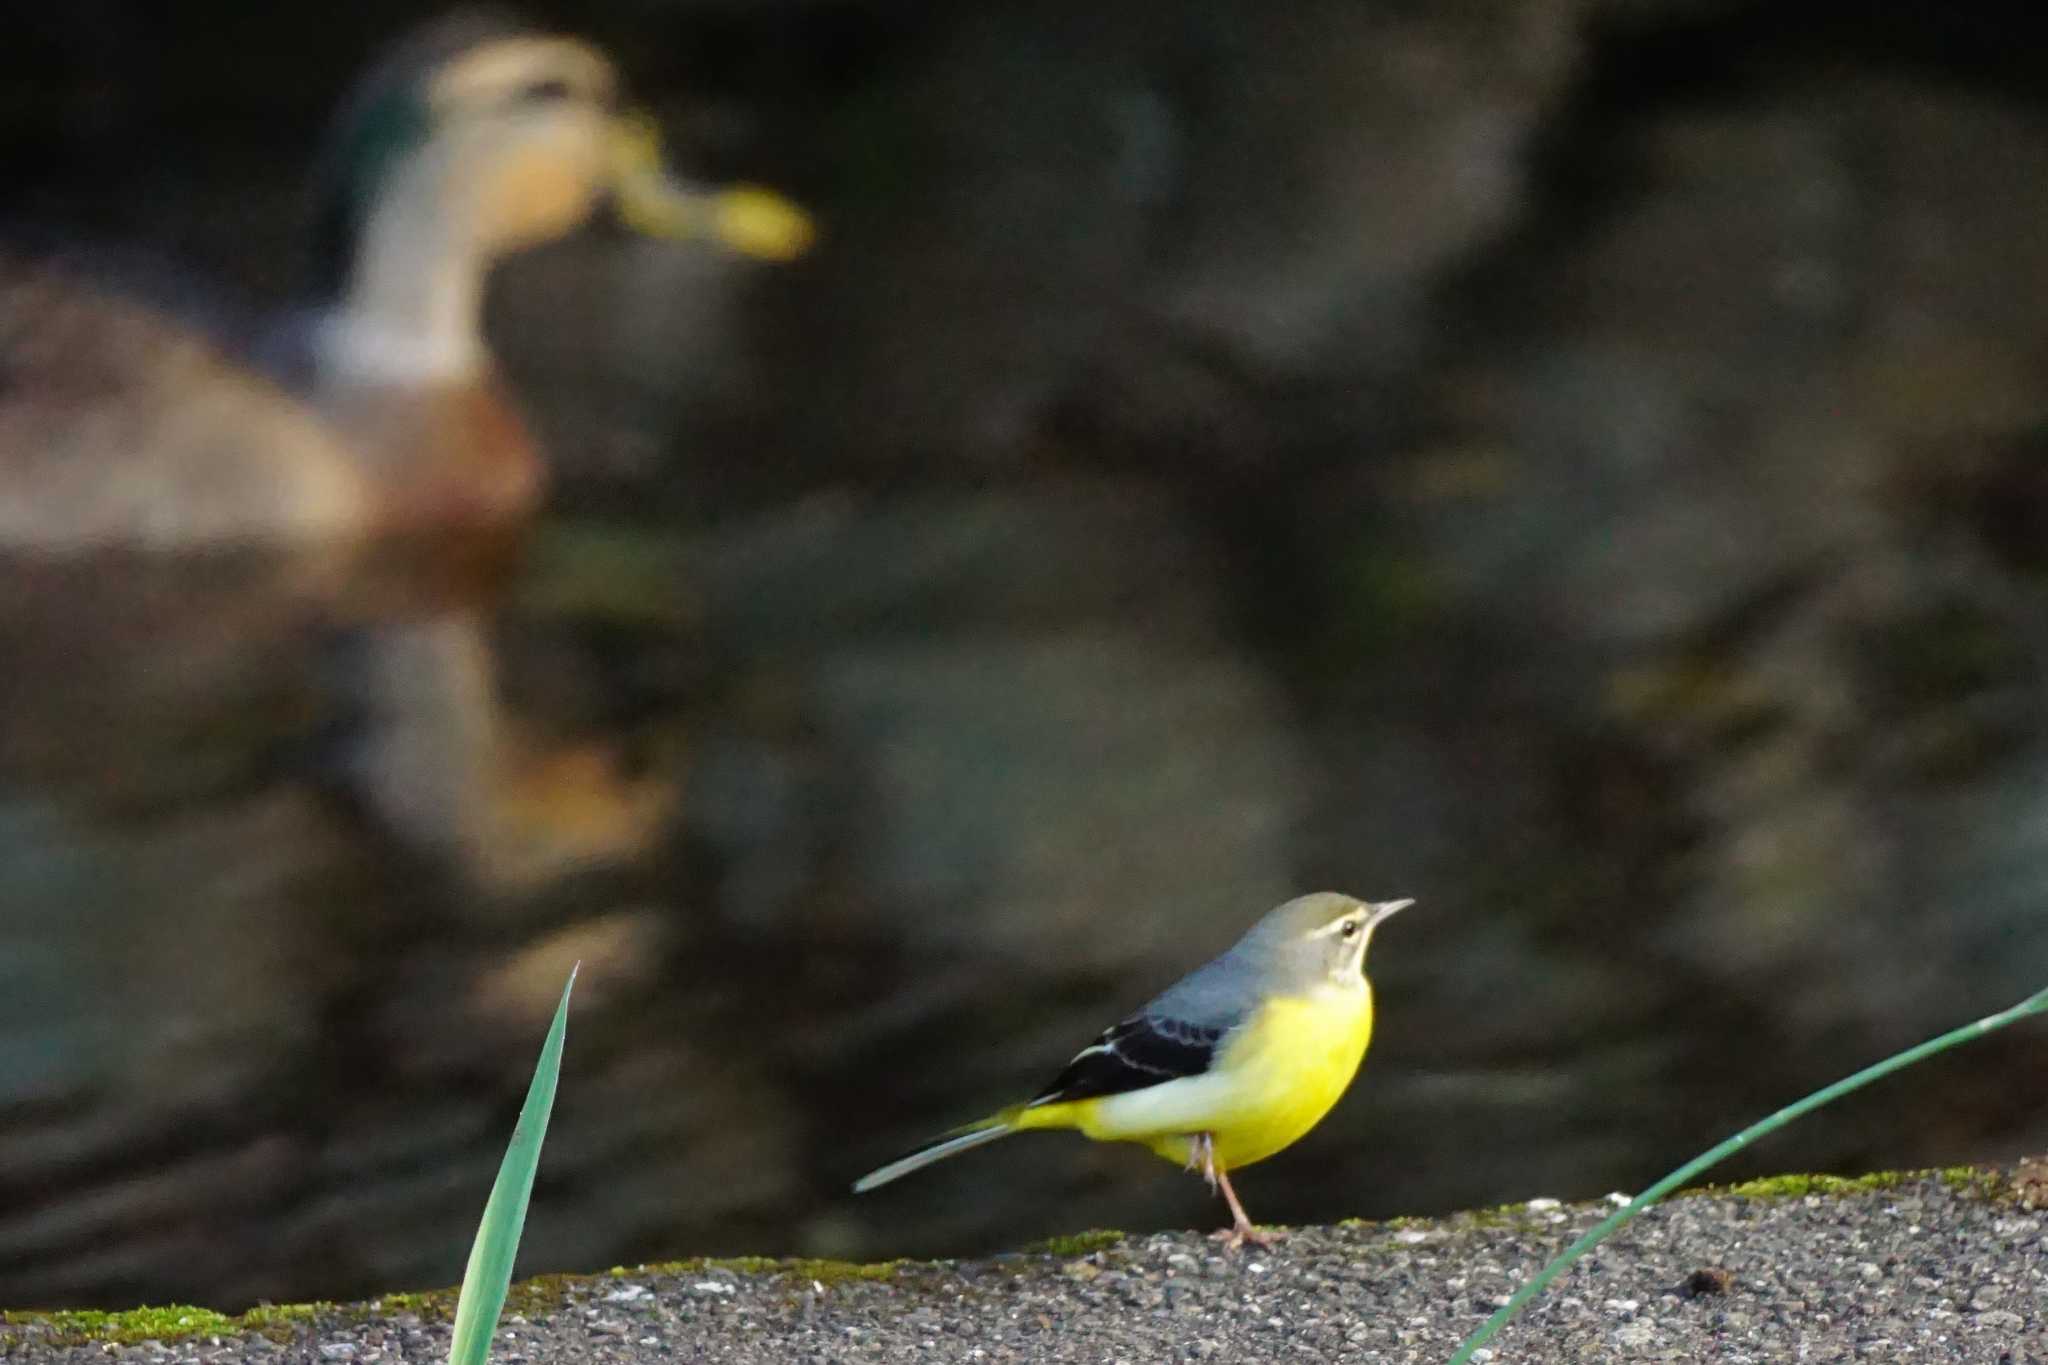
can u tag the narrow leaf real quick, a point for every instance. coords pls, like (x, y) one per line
(497, 1238)
(2037, 1003)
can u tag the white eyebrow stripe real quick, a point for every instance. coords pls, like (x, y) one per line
(1334, 926)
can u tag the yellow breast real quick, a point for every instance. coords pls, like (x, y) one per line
(1276, 1078)
(1288, 1067)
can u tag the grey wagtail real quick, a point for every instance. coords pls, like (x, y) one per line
(1227, 1066)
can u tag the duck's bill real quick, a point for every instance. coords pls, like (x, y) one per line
(743, 218)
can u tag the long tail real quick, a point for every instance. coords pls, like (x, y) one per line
(953, 1143)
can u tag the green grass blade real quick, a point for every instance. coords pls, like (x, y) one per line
(497, 1238)
(2036, 1003)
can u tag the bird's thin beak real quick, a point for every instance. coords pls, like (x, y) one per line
(745, 218)
(1385, 910)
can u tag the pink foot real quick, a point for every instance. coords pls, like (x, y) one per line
(1235, 1237)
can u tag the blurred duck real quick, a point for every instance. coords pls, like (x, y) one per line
(368, 448)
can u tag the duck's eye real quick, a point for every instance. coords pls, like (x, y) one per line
(1350, 929)
(544, 92)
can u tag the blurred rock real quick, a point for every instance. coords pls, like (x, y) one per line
(995, 688)
(1752, 698)
(990, 210)
(1338, 161)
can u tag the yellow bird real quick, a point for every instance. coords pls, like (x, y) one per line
(1229, 1065)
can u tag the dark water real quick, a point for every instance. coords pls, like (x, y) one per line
(1607, 513)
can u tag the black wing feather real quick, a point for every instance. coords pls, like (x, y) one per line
(1142, 1051)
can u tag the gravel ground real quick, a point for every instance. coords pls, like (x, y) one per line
(1925, 1271)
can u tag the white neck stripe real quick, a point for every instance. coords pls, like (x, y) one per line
(354, 348)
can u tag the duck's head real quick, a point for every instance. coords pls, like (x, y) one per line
(479, 138)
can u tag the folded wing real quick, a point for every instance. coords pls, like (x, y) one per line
(1143, 1050)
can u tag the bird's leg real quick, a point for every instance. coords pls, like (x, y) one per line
(1242, 1231)
(1202, 1157)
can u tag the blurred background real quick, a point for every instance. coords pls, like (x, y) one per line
(1579, 463)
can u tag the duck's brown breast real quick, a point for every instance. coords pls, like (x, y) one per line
(445, 456)
(455, 477)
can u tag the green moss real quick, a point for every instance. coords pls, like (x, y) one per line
(1499, 1216)
(1079, 1244)
(1975, 1181)
(526, 1298)
(824, 1271)
(1797, 1186)
(541, 1294)
(838, 1272)
(427, 1303)
(280, 1322)
(172, 1322)
(77, 1326)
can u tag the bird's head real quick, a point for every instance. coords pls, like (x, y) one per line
(514, 138)
(1321, 939)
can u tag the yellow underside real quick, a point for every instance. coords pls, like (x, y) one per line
(1273, 1083)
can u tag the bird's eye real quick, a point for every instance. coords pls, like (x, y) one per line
(1350, 929)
